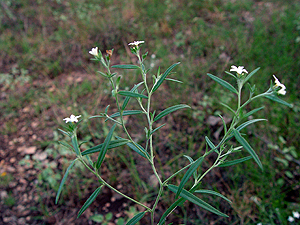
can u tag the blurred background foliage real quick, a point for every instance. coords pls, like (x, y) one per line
(45, 65)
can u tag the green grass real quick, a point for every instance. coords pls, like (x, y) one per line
(205, 36)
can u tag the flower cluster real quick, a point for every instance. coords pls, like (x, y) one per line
(282, 91)
(292, 218)
(136, 43)
(72, 119)
(94, 51)
(239, 70)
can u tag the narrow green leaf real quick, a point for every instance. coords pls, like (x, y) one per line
(170, 210)
(144, 56)
(136, 218)
(64, 132)
(246, 145)
(112, 144)
(188, 174)
(163, 77)
(191, 161)
(236, 161)
(170, 110)
(210, 144)
(89, 160)
(212, 193)
(126, 67)
(66, 145)
(157, 129)
(242, 126)
(63, 181)
(103, 74)
(230, 74)
(140, 150)
(276, 99)
(75, 144)
(103, 62)
(106, 109)
(252, 112)
(228, 107)
(223, 83)
(224, 124)
(89, 201)
(251, 74)
(178, 202)
(97, 116)
(177, 81)
(189, 158)
(194, 199)
(248, 123)
(131, 94)
(128, 98)
(126, 113)
(105, 147)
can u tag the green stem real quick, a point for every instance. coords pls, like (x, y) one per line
(150, 122)
(111, 187)
(174, 174)
(207, 171)
(122, 120)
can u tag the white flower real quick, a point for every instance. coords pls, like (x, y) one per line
(136, 43)
(291, 219)
(94, 51)
(282, 91)
(239, 69)
(72, 119)
(296, 215)
(259, 224)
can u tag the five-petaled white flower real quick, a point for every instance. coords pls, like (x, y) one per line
(136, 43)
(282, 91)
(291, 219)
(239, 69)
(72, 119)
(94, 51)
(296, 215)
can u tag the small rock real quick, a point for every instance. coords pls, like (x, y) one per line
(10, 169)
(30, 150)
(213, 120)
(21, 221)
(26, 109)
(116, 196)
(34, 124)
(12, 160)
(20, 208)
(40, 156)
(23, 181)
(7, 219)
(153, 180)
(3, 194)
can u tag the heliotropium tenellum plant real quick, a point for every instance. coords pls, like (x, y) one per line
(142, 93)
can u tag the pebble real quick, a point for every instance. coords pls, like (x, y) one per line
(21, 221)
(3, 194)
(40, 156)
(12, 160)
(153, 180)
(10, 169)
